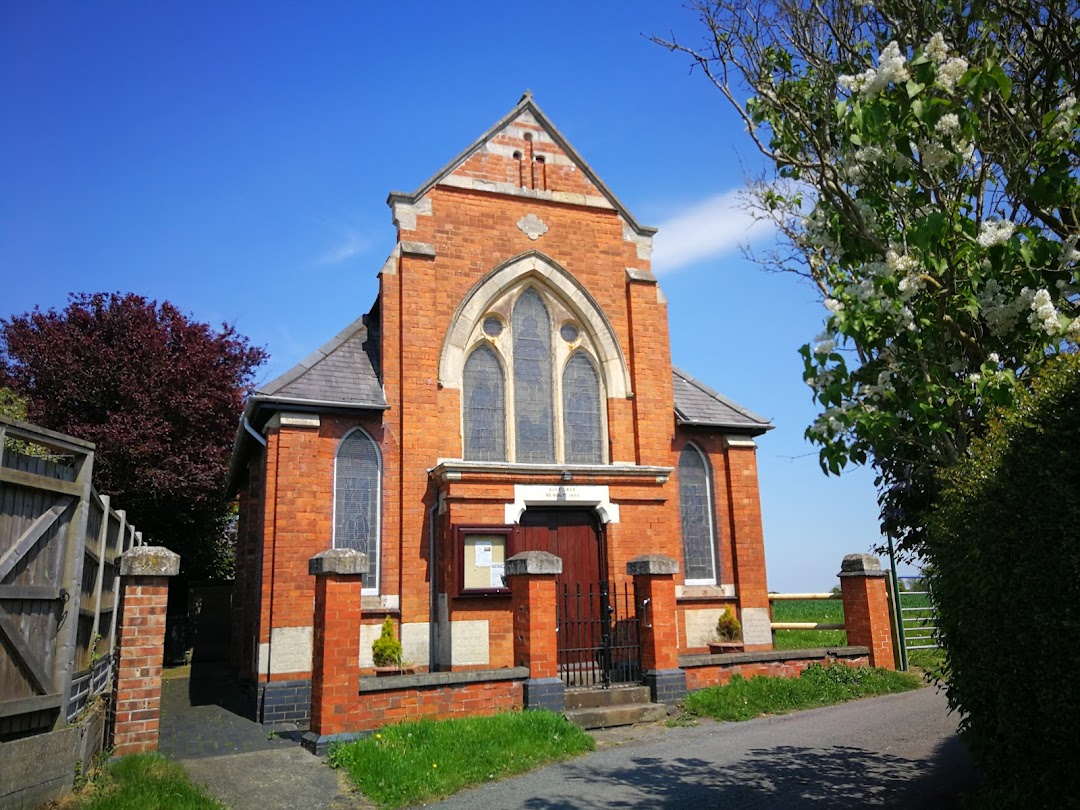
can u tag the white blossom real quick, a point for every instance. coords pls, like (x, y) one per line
(947, 124)
(995, 232)
(911, 284)
(935, 157)
(936, 48)
(891, 69)
(950, 72)
(993, 358)
(1044, 314)
(833, 305)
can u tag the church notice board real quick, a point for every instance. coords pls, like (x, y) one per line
(481, 554)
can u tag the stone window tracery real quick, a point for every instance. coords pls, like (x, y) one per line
(532, 392)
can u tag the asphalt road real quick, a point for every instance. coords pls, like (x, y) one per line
(894, 751)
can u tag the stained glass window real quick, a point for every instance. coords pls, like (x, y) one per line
(485, 407)
(357, 479)
(533, 406)
(695, 499)
(582, 427)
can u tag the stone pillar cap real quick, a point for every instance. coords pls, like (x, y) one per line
(149, 561)
(533, 563)
(861, 565)
(652, 564)
(346, 561)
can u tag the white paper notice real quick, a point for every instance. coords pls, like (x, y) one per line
(497, 575)
(483, 555)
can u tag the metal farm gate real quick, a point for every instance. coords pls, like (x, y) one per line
(60, 544)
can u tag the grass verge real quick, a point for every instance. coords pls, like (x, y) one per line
(816, 686)
(808, 610)
(414, 762)
(139, 782)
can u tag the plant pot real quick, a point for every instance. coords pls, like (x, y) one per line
(721, 647)
(384, 672)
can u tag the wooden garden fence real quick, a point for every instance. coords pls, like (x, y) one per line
(60, 547)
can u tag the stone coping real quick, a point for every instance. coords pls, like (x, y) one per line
(768, 656)
(427, 680)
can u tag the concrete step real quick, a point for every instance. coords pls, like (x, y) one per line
(619, 715)
(596, 698)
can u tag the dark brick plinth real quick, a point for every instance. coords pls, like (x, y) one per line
(284, 702)
(667, 686)
(318, 744)
(544, 693)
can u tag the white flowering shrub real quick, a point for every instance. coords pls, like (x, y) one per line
(926, 180)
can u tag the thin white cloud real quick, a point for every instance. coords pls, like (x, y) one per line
(352, 244)
(706, 230)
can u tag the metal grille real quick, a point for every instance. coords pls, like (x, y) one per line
(697, 526)
(485, 407)
(599, 638)
(356, 500)
(581, 411)
(533, 406)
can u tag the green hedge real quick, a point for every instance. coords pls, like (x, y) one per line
(1005, 567)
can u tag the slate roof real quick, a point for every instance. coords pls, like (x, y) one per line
(341, 372)
(697, 404)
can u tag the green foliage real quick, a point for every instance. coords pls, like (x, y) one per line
(1005, 547)
(728, 627)
(158, 393)
(743, 699)
(416, 762)
(925, 178)
(386, 649)
(808, 610)
(141, 782)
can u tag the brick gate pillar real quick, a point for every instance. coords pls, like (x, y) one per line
(144, 595)
(532, 601)
(335, 665)
(866, 607)
(654, 589)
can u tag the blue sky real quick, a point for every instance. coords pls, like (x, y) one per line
(234, 158)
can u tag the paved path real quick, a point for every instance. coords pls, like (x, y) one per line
(894, 751)
(204, 726)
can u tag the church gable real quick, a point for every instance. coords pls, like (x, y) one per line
(523, 155)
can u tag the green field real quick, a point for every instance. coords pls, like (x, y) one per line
(808, 610)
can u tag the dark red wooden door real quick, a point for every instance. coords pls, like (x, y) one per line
(583, 627)
(572, 535)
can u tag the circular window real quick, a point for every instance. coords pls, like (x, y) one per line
(492, 326)
(569, 332)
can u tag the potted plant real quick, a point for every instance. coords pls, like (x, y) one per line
(728, 634)
(386, 652)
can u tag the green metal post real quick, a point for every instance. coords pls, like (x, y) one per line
(898, 612)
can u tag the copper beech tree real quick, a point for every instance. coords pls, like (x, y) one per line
(157, 392)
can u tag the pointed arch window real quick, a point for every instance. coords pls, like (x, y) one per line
(582, 425)
(357, 500)
(532, 390)
(535, 423)
(698, 528)
(485, 407)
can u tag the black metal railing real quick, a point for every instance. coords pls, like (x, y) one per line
(599, 638)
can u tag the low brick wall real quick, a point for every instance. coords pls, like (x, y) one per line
(713, 670)
(394, 699)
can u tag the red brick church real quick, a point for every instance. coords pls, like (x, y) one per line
(510, 390)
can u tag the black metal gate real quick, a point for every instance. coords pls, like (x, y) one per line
(599, 638)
